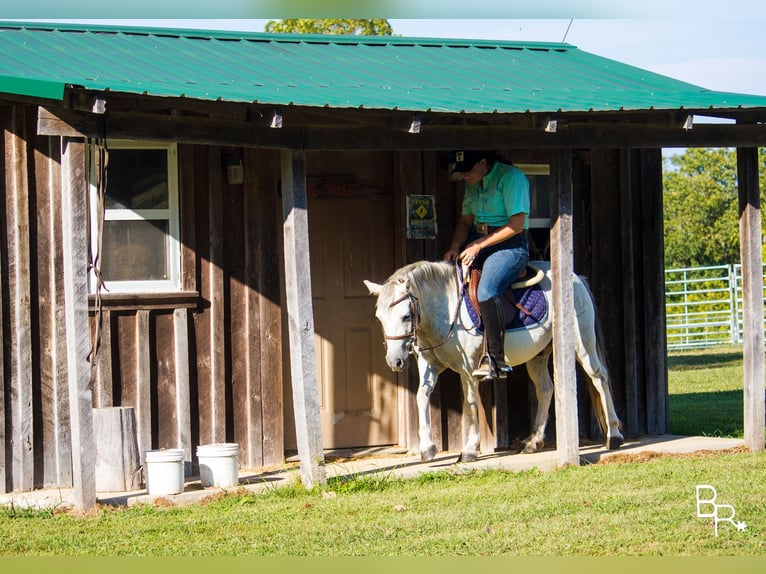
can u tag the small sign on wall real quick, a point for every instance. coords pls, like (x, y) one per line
(421, 217)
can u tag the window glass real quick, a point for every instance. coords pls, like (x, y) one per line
(139, 225)
(136, 251)
(137, 179)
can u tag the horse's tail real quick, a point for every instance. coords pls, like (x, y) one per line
(595, 398)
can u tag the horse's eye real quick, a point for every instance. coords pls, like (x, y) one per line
(407, 317)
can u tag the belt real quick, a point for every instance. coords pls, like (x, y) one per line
(484, 229)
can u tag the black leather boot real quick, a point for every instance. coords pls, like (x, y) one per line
(492, 364)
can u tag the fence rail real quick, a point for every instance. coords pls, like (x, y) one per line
(703, 306)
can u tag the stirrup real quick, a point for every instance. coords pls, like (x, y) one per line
(488, 369)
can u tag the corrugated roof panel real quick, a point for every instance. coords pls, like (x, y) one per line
(415, 74)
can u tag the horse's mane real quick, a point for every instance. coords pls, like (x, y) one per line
(422, 276)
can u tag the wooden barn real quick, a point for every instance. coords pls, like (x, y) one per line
(189, 215)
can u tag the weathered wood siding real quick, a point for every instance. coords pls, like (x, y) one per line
(197, 368)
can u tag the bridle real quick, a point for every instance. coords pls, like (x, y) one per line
(415, 313)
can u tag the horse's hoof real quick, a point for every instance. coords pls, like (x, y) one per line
(468, 456)
(615, 442)
(429, 454)
(532, 447)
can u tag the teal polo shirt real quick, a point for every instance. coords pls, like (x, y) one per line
(503, 192)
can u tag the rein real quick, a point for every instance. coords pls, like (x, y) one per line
(415, 311)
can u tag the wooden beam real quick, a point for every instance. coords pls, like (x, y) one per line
(75, 258)
(20, 319)
(300, 316)
(562, 267)
(752, 297)
(206, 131)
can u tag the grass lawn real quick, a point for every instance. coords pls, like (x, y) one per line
(705, 392)
(639, 506)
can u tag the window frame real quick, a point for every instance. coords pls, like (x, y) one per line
(171, 214)
(542, 169)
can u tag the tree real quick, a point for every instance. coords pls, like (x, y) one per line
(701, 214)
(360, 27)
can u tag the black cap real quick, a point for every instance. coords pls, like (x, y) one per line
(465, 160)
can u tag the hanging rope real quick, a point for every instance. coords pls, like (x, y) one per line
(98, 175)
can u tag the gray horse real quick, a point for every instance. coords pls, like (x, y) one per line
(420, 310)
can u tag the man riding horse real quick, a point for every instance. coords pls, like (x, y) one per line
(491, 235)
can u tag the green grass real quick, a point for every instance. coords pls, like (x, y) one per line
(630, 508)
(705, 392)
(639, 506)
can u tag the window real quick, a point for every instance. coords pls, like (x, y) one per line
(140, 238)
(539, 193)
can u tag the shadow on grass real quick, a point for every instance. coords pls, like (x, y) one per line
(704, 360)
(716, 414)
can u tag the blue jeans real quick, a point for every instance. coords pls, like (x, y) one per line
(500, 265)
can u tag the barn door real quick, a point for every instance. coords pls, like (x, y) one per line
(351, 239)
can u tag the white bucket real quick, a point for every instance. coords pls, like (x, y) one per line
(218, 465)
(165, 471)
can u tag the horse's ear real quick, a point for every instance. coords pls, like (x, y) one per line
(374, 288)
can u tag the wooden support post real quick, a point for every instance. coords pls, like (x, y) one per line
(19, 278)
(300, 315)
(75, 260)
(562, 267)
(752, 297)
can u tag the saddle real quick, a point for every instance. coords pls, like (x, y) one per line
(523, 302)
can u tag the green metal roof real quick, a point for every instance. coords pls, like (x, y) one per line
(416, 74)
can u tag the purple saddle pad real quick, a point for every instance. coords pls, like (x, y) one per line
(532, 299)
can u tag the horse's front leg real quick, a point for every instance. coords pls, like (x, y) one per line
(428, 376)
(470, 450)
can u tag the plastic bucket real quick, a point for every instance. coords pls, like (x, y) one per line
(164, 471)
(218, 464)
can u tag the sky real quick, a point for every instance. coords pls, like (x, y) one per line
(716, 52)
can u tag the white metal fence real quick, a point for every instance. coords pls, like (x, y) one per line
(703, 306)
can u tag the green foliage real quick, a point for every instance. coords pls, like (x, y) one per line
(701, 207)
(358, 27)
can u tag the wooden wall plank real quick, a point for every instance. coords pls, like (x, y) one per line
(201, 388)
(19, 278)
(750, 234)
(143, 381)
(251, 447)
(606, 265)
(241, 346)
(54, 441)
(165, 409)
(181, 344)
(187, 192)
(75, 243)
(103, 387)
(5, 478)
(267, 251)
(655, 329)
(627, 244)
(301, 320)
(562, 267)
(215, 279)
